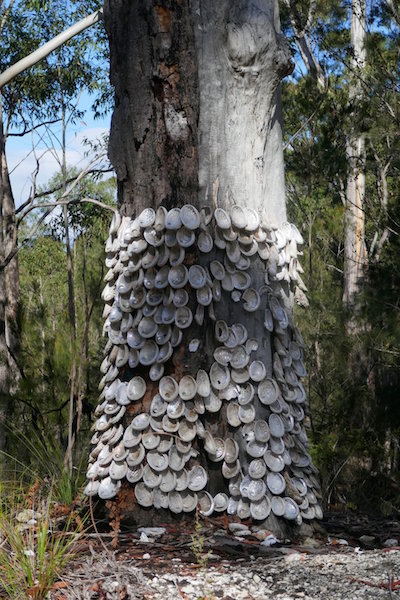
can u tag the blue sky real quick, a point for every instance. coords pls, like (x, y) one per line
(22, 161)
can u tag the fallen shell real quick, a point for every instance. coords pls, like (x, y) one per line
(241, 280)
(108, 488)
(168, 388)
(206, 504)
(169, 425)
(190, 216)
(204, 295)
(197, 478)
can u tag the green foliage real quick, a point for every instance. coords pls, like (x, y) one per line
(33, 551)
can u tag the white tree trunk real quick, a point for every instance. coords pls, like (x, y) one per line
(355, 255)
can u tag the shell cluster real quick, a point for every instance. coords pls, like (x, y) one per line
(168, 273)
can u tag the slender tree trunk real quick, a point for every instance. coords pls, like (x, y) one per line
(355, 255)
(9, 292)
(197, 121)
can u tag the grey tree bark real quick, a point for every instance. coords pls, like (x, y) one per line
(197, 121)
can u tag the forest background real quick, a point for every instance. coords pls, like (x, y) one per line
(52, 244)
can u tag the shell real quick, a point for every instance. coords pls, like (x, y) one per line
(187, 387)
(220, 502)
(241, 280)
(222, 218)
(197, 478)
(219, 376)
(148, 354)
(205, 242)
(157, 406)
(203, 383)
(190, 216)
(204, 296)
(178, 276)
(187, 430)
(276, 426)
(231, 451)
(108, 488)
(175, 409)
(246, 394)
(251, 300)
(238, 216)
(185, 237)
(173, 219)
(261, 509)
(176, 255)
(140, 422)
(247, 413)
(206, 503)
(257, 370)
(183, 317)
(168, 388)
(189, 501)
(257, 469)
(232, 414)
(230, 470)
(274, 463)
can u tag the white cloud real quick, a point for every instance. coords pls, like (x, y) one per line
(22, 161)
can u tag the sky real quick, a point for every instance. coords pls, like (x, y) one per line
(22, 162)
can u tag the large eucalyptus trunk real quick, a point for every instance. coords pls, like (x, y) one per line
(355, 255)
(197, 122)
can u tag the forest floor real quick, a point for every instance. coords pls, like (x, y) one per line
(353, 558)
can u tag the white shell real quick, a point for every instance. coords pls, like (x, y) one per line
(260, 510)
(276, 426)
(197, 478)
(178, 276)
(143, 494)
(204, 296)
(261, 431)
(205, 242)
(238, 216)
(189, 501)
(146, 217)
(253, 220)
(239, 357)
(222, 218)
(148, 353)
(190, 216)
(108, 488)
(206, 503)
(183, 317)
(232, 414)
(168, 388)
(217, 270)
(185, 237)
(203, 383)
(274, 463)
(230, 470)
(257, 469)
(219, 376)
(175, 409)
(257, 370)
(251, 300)
(256, 490)
(187, 431)
(173, 219)
(241, 280)
(278, 506)
(247, 413)
(197, 276)
(140, 422)
(291, 509)
(147, 327)
(246, 394)
(157, 406)
(220, 502)
(187, 387)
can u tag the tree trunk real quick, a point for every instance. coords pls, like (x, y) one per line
(197, 121)
(355, 255)
(9, 293)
